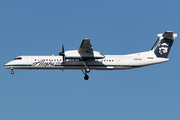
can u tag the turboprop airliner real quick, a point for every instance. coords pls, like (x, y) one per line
(85, 59)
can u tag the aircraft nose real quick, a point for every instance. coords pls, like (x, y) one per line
(7, 65)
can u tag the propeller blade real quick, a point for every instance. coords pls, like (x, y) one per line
(63, 58)
(63, 48)
(62, 53)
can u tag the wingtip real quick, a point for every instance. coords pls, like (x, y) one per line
(86, 39)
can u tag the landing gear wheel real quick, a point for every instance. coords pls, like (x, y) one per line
(86, 77)
(12, 72)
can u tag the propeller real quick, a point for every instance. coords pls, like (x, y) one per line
(62, 53)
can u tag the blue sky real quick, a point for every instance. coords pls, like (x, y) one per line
(40, 27)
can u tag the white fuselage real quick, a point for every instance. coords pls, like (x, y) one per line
(109, 62)
(88, 59)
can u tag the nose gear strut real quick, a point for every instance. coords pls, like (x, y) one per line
(12, 72)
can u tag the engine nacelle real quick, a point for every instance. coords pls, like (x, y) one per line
(74, 54)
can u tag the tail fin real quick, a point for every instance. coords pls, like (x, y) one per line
(163, 45)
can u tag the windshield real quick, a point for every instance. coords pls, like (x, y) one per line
(18, 58)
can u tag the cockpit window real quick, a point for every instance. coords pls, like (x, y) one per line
(18, 58)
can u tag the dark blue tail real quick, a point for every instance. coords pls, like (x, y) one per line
(163, 45)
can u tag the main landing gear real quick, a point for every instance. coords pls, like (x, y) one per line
(12, 72)
(87, 70)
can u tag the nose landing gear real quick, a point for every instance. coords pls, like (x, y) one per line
(12, 72)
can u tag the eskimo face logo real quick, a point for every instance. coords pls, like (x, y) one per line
(163, 48)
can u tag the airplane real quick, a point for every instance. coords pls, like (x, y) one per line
(86, 59)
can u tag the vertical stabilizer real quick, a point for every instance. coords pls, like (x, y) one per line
(163, 45)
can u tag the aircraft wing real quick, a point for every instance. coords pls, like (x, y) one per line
(86, 47)
(84, 52)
